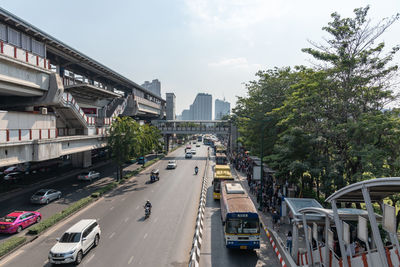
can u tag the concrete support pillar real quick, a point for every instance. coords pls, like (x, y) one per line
(295, 244)
(82, 159)
(166, 141)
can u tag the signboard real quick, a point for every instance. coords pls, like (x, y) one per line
(256, 173)
(346, 233)
(315, 231)
(330, 238)
(362, 230)
(389, 218)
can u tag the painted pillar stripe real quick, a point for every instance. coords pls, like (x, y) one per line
(364, 259)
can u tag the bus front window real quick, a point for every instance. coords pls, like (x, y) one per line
(217, 186)
(233, 226)
(251, 226)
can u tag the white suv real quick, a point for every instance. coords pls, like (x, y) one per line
(75, 242)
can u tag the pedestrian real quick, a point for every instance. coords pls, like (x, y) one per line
(289, 241)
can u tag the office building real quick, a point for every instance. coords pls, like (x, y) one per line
(222, 108)
(154, 86)
(171, 102)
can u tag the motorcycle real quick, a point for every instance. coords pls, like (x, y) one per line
(147, 212)
(196, 171)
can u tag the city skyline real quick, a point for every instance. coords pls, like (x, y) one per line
(225, 41)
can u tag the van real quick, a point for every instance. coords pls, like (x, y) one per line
(75, 242)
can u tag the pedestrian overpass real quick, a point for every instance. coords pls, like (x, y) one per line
(167, 127)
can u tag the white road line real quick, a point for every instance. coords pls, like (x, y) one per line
(112, 208)
(126, 219)
(145, 236)
(90, 258)
(111, 235)
(130, 260)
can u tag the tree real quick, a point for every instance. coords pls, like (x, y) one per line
(124, 141)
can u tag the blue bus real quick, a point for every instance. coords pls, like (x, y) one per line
(239, 217)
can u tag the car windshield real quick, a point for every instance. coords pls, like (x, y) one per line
(8, 219)
(40, 193)
(70, 238)
(171, 161)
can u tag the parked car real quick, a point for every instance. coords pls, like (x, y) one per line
(44, 196)
(198, 145)
(88, 176)
(171, 164)
(142, 160)
(75, 242)
(11, 169)
(193, 151)
(13, 176)
(188, 155)
(18, 220)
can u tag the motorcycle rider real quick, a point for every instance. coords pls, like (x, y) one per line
(196, 169)
(148, 205)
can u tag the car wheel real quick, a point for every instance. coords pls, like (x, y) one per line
(79, 257)
(19, 229)
(96, 240)
(38, 219)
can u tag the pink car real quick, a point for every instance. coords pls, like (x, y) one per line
(18, 220)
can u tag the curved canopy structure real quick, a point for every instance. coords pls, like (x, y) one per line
(378, 188)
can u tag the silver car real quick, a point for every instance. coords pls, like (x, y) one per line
(88, 176)
(44, 196)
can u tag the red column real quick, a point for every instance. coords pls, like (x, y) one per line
(37, 60)
(40, 133)
(15, 51)
(19, 134)
(364, 259)
(48, 133)
(8, 135)
(44, 63)
(27, 56)
(48, 64)
(2, 47)
(30, 134)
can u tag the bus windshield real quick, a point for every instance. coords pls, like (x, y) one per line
(217, 185)
(242, 226)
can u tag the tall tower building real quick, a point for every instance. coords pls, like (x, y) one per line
(222, 108)
(171, 102)
(154, 86)
(202, 107)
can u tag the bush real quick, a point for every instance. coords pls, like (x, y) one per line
(44, 224)
(11, 244)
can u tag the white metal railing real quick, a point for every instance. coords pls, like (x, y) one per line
(15, 135)
(68, 100)
(22, 55)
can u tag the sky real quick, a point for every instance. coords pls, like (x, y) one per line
(193, 46)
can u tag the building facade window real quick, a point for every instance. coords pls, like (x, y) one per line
(25, 42)
(3, 32)
(14, 37)
(38, 48)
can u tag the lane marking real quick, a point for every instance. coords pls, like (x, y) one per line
(145, 236)
(130, 260)
(112, 208)
(113, 233)
(90, 258)
(126, 219)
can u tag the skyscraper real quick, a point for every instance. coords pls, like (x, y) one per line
(202, 107)
(222, 108)
(154, 86)
(171, 100)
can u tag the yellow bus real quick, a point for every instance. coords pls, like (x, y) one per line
(221, 173)
(220, 149)
(221, 159)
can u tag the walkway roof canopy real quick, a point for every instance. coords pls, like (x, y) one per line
(296, 204)
(344, 214)
(378, 188)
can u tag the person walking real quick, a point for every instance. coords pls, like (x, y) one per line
(289, 241)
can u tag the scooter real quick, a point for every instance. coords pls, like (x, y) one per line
(196, 171)
(147, 212)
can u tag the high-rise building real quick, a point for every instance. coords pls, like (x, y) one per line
(171, 101)
(222, 108)
(154, 86)
(186, 116)
(202, 107)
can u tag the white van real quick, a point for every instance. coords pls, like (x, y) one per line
(75, 242)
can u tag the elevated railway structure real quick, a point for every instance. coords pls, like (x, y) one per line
(55, 100)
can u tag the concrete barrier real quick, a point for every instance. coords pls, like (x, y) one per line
(198, 232)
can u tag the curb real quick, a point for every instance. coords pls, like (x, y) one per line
(198, 233)
(281, 260)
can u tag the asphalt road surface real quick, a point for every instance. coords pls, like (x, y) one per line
(213, 250)
(127, 239)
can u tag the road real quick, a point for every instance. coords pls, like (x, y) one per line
(127, 239)
(213, 250)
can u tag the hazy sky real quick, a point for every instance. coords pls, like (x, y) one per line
(195, 46)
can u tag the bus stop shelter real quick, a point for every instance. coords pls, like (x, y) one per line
(368, 192)
(326, 219)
